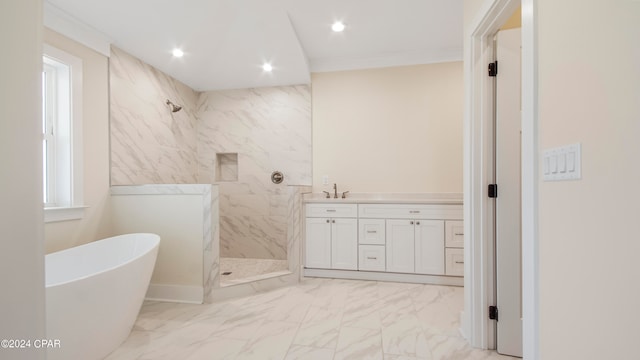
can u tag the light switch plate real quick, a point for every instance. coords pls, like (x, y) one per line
(562, 163)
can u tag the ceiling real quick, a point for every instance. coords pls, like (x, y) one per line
(226, 42)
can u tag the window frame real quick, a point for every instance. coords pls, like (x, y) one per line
(66, 164)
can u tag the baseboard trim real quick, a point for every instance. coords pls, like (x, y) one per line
(384, 276)
(175, 293)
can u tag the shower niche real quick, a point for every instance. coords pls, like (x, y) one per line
(226, 167)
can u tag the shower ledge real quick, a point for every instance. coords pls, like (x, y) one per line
(387, 198)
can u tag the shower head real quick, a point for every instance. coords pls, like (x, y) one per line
(174, 107)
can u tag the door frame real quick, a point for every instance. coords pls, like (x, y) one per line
(478, 173)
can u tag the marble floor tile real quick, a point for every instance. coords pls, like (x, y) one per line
(358, 344)
(217, 349)
(318, 319)
(270, 342)
(300, 352)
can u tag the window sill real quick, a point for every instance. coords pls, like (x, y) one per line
(54, 214)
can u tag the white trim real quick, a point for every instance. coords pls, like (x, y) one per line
(478, 165)
(176, 293)
(384, 276)
(55, 214)
(70, 167)
(67, 25)
(530, 161)
(385, 60)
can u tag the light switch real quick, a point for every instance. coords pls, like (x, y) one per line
(562, 163)
(547, 165)
(554, 163)
(325, 179)
(571, 161)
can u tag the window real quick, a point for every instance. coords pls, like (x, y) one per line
(62, 135)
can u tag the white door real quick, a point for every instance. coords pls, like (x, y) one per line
(344, 244)
(429, 242)
(400, 246)
(318, 243)
(508, 202)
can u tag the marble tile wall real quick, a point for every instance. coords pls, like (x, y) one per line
(244, 135)
(269, 129)
(149, 143)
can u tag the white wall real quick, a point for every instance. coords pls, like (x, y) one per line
(22, 306)
(589, 93)
(178, 220)
(96, 223)
(389, 130)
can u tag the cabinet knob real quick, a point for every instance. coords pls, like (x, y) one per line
(417, 222)
(333, 221)
(328, 221)
(411, 222)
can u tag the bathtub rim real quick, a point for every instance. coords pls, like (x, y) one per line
(154, 237)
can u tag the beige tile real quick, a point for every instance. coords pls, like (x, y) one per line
(359, 344)
(317, 319)
(271, 341)
(217, 349)
(299, 352)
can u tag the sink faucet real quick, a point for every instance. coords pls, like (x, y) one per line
(335, 191)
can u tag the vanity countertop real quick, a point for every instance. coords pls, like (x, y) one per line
(387, 198)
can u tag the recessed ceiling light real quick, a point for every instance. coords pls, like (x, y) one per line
(267, 67)
(177, 53)
(337, 26)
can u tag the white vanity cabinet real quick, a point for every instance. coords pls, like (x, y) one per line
(415, 246)
(331, 240)
(412, 242)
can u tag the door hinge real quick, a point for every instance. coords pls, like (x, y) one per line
(493, 68)
(493, 313)
(493, 190)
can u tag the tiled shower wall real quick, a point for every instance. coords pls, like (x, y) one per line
(270, 130)
(149, 143)
(234, 138)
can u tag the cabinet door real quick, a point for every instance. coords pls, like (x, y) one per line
(344, 244)
(429, 255)
(400, 246)
(318, 243)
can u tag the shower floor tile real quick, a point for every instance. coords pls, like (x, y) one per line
(244, 270)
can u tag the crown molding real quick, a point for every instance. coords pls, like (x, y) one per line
(60, 21)
(385, 60)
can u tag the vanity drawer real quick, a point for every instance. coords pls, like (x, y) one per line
(371, 258)
(454, 234)
(332, 210)
(454, 259)
(371, 231)
(410, 211)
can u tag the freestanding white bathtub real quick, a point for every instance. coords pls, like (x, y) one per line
(94, 293)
